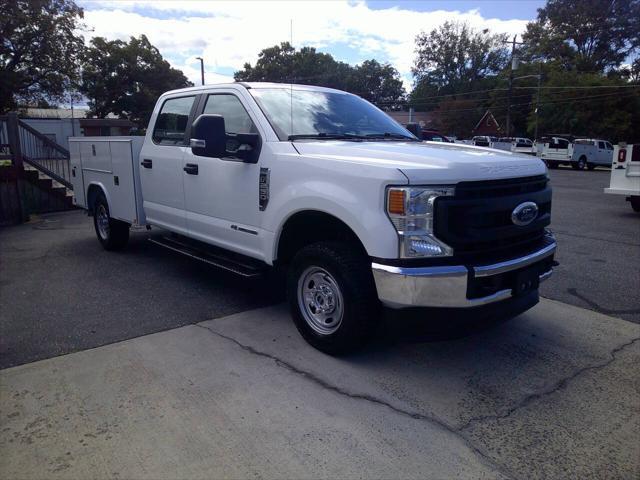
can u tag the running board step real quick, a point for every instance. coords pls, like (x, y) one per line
(231, 262)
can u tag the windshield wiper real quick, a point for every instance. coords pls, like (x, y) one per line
(393, 136)
(325, 136)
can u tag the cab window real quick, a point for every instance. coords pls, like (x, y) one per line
(172, 121)
(236, 118)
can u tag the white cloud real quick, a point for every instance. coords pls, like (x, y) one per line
(228, 34)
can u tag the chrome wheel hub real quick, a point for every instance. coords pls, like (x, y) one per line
(320, 300)
(102, 221)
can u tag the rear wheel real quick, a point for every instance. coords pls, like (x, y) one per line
(113, 234)
(580, 164)
(332, 297)
(552, 164)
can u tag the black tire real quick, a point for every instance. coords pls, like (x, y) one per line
(349, 273)
(551, 164)
(635, 204)
(580, 164)
(114, 234)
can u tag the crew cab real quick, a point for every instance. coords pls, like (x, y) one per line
(317, 182)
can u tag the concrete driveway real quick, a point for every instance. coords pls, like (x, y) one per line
(554, 393)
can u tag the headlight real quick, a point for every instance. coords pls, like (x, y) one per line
(411, 210)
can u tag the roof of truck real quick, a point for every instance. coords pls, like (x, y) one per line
(256, 85)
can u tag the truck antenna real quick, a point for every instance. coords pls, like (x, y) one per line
(291, 79)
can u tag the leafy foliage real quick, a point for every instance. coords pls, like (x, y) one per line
(39, 50)
(126, 78)
(454, 57)
(378, 83)
(584, 35)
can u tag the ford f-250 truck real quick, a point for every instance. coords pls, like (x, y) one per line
(321, 183)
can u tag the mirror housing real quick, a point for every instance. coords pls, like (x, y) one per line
(209, 139)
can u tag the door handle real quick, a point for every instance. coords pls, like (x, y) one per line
(146, 163)
(191, 168)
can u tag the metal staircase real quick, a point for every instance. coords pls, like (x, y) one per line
(35, 172)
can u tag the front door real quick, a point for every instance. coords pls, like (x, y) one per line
(161, 158)
(222, 197)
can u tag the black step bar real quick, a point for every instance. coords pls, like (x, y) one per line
(235, 263)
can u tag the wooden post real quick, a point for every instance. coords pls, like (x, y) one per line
(16, 151)
(14, 139)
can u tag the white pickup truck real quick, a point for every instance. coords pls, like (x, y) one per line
(591, 153)
(356, 210)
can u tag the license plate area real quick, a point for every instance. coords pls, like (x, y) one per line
(526, 280)
(519, 281)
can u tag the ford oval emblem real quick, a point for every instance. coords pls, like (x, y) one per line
(524, 214)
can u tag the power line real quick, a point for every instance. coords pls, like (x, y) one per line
(567, 100)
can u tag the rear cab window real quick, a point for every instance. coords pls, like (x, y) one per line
(172, 121)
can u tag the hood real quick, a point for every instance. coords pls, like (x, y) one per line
(428, 162)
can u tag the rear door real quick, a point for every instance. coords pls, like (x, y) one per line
(161, 158)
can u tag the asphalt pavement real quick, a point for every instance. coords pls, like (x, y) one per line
(598, 245)
(56, 282)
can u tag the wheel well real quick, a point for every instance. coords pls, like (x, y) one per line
(311, 226)
(92, 195)
(583, 157)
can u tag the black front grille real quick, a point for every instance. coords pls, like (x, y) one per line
(477, 220)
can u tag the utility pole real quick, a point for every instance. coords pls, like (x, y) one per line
(513, 67)
(535, 135)
(201, 69)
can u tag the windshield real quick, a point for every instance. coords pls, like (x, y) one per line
(325, 115)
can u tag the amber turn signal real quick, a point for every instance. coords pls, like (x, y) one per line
(396, 202)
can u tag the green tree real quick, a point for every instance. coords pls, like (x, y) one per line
(455, 58)
(376, 82)
(379, 83)
(126, 78)
(585, 35)
(39, 50)
(610, 113)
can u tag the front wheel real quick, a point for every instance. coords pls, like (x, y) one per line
(113, 234)
(332, 297)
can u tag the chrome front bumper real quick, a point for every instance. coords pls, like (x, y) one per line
(447, 286)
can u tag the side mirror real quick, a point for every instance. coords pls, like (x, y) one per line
(244, 147)
(208, 138)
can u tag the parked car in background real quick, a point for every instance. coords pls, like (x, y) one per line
(554, 151)
(349, 204)
(515, 144)
(435, 136)
(590, 153)
(483, 141)
(625, 174)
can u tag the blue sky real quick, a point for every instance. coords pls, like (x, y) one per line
(228, 34)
